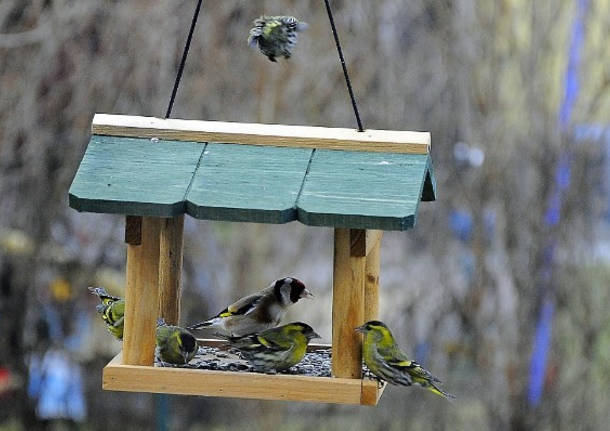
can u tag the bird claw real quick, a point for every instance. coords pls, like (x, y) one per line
(380, 382)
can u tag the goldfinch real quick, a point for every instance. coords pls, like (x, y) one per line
(175, 345)
(386, 361)
(275, 349)
(112, 310)
(276, 36)
(257, 312)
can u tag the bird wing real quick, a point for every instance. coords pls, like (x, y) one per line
(254, 343)
(242, 306)
(275, 339)
(414, 369)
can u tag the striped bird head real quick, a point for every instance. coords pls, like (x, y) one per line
(302, 328)
(187, 344)
(289, 290)
(375, 329)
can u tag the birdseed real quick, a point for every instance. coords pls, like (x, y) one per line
(316, 363)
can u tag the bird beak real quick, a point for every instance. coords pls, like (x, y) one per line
(307, 294)
(315, 335)
(359, 329)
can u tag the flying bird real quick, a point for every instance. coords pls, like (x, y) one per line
(275, 36)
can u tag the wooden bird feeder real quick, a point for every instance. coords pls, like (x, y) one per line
(154, 171)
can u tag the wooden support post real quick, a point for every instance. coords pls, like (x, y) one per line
(170, 268)
(371, 284)
(142, 296)
(348, 304)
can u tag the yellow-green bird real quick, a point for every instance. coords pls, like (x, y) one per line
(112, 310)
(386, 361)
(275, 349)
(275, 36)
(175, 345)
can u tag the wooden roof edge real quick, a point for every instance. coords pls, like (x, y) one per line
(386, 141)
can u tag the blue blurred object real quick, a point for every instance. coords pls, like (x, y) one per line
(544, 326)
(572, 85)
(460, 222)
(553, 211)
(489, 222)
(540, 352)
(162, 412)
(53, 320)
(422, 350)
(81, 330)
(56, 386)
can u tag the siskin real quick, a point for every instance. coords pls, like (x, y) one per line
(386, 361)
(257, 312)
(112, 310)
(175, 345)
(275, 36)
(275, 349)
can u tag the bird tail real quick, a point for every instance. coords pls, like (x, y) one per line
(253, 40)
(200, 325)
(104, 296)
(438, 391)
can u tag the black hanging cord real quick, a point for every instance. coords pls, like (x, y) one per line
(340, 51)
(183, 61)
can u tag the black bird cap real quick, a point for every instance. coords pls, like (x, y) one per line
(307, 330)
(370, 324)
(296, 289)
(188, 341)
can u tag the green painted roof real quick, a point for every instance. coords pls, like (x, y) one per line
(249, 183)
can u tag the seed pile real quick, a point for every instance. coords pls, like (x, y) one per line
(315, 363)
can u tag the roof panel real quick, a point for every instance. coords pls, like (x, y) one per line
(134, 176)
(254, 183)
(248, 183)
(362, 190)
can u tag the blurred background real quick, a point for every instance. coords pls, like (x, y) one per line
(502, 289)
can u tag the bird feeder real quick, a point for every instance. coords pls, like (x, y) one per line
(153, 171)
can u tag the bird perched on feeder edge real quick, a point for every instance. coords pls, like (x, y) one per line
(275, 349)
(112, 310)
(275, 36)
(175, 345)
(386, 361)
(259, 311)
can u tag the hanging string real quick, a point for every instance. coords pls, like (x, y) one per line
(183, 61)
(347, 80)
(337, 43)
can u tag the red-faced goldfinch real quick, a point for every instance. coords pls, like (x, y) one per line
(257, 312)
